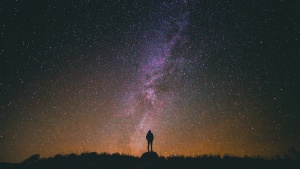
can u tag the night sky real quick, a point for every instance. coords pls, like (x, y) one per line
(206, 77)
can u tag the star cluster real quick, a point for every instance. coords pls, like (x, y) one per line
(207, 77)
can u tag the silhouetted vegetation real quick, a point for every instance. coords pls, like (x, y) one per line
(95, 160)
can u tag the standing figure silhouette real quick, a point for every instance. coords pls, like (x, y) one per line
(149, 138)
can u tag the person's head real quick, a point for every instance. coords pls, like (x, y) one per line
(149, 131)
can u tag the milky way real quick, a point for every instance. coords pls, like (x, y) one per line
(211, 77)
(152, 95)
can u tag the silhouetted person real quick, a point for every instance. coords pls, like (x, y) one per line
(149, 138)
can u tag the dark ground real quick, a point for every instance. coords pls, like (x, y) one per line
(120, 161)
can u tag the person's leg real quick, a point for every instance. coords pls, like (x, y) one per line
(151, 143)
(148, 145)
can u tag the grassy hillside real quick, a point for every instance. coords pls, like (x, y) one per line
(120, 161)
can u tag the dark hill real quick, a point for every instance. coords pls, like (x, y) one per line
(150, 160)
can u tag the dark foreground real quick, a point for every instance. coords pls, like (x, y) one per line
(117, 161)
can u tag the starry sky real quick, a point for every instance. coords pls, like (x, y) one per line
(207, 77)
